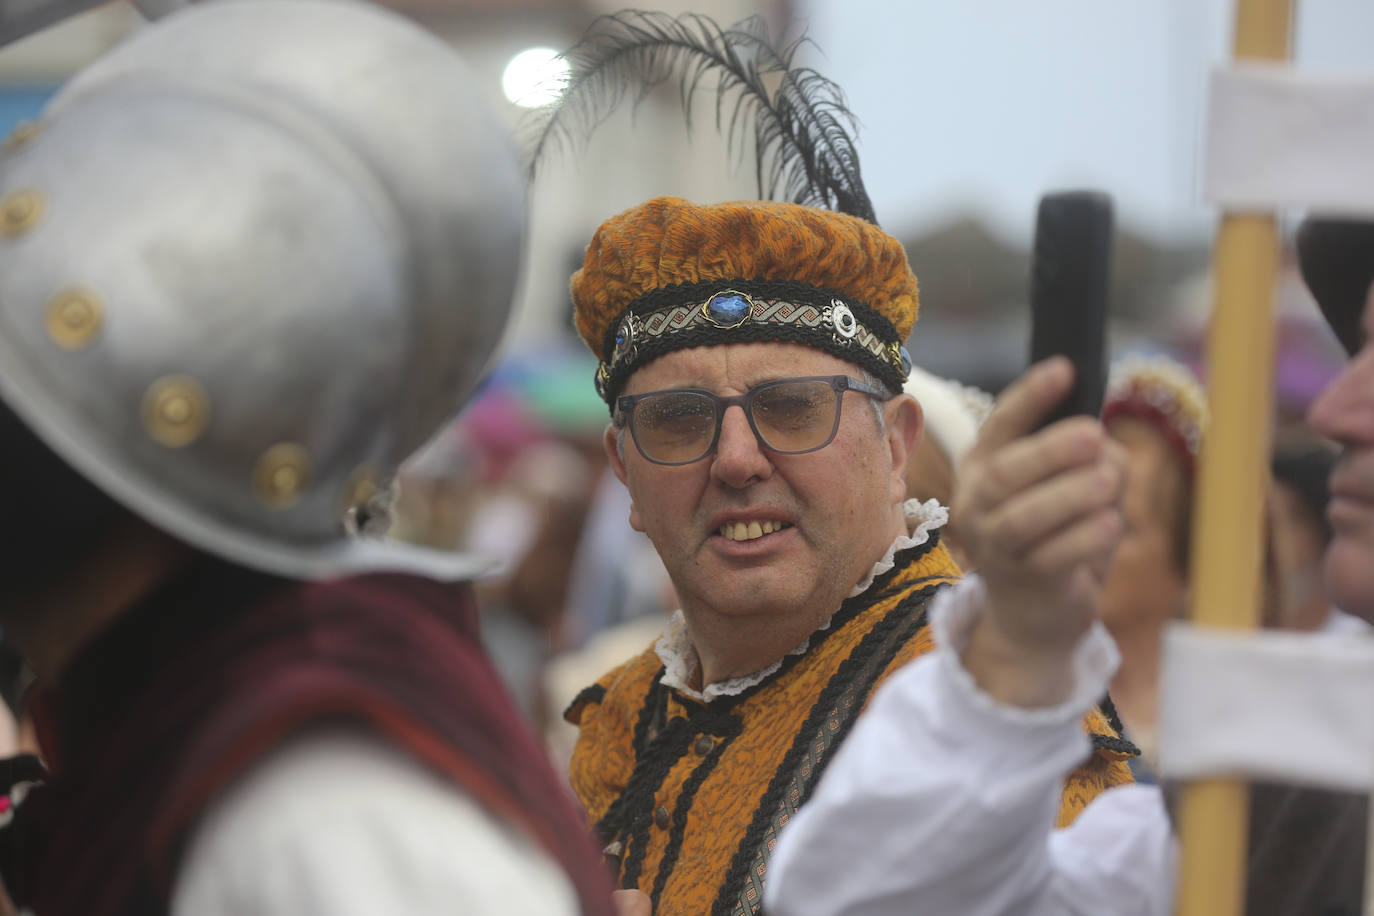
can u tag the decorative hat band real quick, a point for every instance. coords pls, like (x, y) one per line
(1164, 393)
(740, 311)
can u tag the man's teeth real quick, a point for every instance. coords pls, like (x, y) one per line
(747, 531)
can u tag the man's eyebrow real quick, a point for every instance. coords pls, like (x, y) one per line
(749, 386)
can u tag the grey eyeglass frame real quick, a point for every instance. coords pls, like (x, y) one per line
(625, 407)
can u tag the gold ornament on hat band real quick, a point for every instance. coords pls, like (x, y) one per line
(730, 309)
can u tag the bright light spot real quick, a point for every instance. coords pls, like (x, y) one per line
(535, 77)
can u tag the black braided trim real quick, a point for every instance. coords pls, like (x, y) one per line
(1113, 717)
(749, 332)
(658, 745)
(1116, 745)
(653, 706)
(724, 728)
(855, 676)
(587, 696)
(616, 819)
(650, 771)
(882, 587)
(1122, 744)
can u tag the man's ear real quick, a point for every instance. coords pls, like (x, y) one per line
(905, 424)
(610, 443)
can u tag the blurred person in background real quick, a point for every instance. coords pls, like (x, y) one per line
(523, 608)
(953, 413)
(1306, 852)
(229, 261)
(1308, 847)
(619, 601)
(847, 852)
(1302, 532)
(1157, 412)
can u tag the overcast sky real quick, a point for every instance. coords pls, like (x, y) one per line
(985, 104)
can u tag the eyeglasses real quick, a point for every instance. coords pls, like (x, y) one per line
(789, 416)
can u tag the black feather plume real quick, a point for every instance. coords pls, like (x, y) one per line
(802, 127)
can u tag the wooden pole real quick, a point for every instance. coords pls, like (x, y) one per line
(1228, 551)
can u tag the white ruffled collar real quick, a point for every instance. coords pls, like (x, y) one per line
(679, 656)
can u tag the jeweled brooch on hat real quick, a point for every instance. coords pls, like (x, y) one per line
(728, 309)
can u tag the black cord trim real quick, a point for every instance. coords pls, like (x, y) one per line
(1121, 744)
(1113, 717)
(615, 822)
(587, 696)
(659, 744)
(650, 771)
(854, 679)
(629, 818)
(685, 801)
(1116, 745)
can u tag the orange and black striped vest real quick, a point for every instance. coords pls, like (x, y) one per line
(688, 796)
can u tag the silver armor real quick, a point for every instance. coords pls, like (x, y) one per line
(249, 261)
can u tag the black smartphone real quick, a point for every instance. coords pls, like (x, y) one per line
(1070, 272)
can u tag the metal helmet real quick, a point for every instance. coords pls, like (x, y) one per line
(249, 261)
(19, 19)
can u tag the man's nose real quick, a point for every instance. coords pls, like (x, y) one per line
(1344, 411)
(740, 458)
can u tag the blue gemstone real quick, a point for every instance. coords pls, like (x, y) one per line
(619, 339)
(906, 361)
(728, 309)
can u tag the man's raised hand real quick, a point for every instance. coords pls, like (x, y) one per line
(1039, 512)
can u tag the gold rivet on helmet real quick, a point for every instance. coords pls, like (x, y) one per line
(73, 318)
(176, 410)
(360, 487)
(282, 474)
(20, 212)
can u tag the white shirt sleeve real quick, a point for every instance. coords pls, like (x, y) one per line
(943, 801)
(338, 823)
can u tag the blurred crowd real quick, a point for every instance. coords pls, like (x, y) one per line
(678, 618)
(520, 476)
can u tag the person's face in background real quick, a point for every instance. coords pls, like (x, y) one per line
(1344, 413)
(930, 475)
(1146, 583)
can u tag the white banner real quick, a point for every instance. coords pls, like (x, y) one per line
(1286, 707)
(1278, 138)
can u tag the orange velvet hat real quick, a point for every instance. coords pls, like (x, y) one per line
(670, 274)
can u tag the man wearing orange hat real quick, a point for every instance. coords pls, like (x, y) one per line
(752, 357)
(803, 572)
